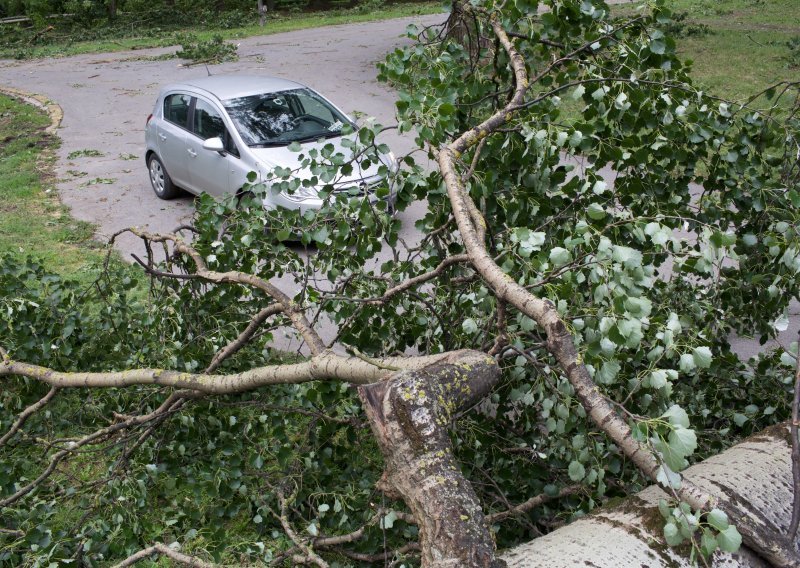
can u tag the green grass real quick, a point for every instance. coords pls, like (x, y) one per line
(32, 220)
(64, 45)
(746, 47)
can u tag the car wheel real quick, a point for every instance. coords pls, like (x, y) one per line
(160, 180)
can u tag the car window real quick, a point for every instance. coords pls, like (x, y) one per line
(176, 108)
(277, 119)
(314, 106)
(206, 121)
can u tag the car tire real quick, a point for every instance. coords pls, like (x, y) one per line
(160, 180)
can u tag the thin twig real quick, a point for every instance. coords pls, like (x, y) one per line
(535, 501)
(25, 414)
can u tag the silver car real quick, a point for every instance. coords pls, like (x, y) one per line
(208, 134)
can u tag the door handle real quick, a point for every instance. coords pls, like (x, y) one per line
(162, 136)
(192, 153)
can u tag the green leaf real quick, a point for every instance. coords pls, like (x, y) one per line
(469, 326)
(677, 416)
(657, 46)
(608, 372)
(664, 509)
(708, 543)
(718, 519)
(702, 357)
(687, 364)
(630, 257)
(683, 441)
(576, 470)
(294, 147)
(388, 520)
(560, 256)
(658, 379)
(446, 109)
(729, 540)
(595, 211)
(672, 535)
(320, 235)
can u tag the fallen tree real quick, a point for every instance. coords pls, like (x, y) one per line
(574, 333)
(754, 474)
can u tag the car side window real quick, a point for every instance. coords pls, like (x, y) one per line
(176, 109)
(207, 123)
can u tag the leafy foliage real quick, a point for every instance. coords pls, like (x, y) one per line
(214, 50)
(695, 240)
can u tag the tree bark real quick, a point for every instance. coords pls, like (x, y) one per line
(410, 415)
(754, 477)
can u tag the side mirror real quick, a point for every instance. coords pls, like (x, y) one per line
(214, 144)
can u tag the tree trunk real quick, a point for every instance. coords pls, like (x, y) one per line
(410, 415)
(262, 13)
(754, 476)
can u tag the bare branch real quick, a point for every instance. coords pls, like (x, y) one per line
(163, 549)
(292, 310)
(234, 346)
(421, 278)
(25, 414)
(309, 556)
(533, 502)
(327, 366)
(381, 556)
(73, 446)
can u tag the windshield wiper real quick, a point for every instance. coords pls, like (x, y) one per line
(269, 144)
(315, 137)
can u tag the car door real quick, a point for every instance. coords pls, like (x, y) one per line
(172, 133)
(211, 171)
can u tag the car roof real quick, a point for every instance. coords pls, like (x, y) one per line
(226, 87)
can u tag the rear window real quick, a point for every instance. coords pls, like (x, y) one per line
(176, 108)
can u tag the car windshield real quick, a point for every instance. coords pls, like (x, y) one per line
(278, 119)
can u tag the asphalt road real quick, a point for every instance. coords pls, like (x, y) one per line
(106, 99)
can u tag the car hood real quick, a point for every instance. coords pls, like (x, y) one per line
(281, 156)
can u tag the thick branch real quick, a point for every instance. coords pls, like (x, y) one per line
(410, 415)
(792, 532)
(327, 366)
(559, 341)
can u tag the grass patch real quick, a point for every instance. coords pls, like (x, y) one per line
(738, 47)
(33, 222)
(122, 37)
